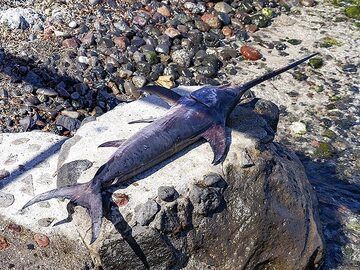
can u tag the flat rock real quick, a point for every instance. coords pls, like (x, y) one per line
(257, 177)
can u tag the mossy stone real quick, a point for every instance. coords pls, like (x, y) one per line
(329, 134)
(294, 41)
(327, 42)
(353, 12)
(324, 150)
(316, 62)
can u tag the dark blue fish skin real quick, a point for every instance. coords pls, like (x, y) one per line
(200, 114)
(181, 126)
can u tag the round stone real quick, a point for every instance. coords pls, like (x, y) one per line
(167, 193)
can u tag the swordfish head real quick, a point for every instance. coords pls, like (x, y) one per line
(223, 99)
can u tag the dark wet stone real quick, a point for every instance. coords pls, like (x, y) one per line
(173, 217)
(213, 180)
(69, 123)
(208, 71)
(228, 54)
(69, 173)
(163, 48)
(6, 199)
(280, 46)
(350, 68)
(145, 213)
(143, 67)
(211, 39)
(167, 193)
(206, 201)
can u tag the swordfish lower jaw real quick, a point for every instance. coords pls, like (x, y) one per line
(239, 91)
(85, 195)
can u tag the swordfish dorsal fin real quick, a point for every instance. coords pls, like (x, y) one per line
(169, 96)
(216, 136)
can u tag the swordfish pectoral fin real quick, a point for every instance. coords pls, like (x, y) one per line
(115, 143)
(166, 94)
(216, 136)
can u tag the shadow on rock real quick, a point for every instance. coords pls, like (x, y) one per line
(339, 204)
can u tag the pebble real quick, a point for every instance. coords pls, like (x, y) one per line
(298, 128)
(71, 43)
(182, 58)
(163, 10)
(3, 243)
(139, 81)
(211, 19)
(165, 81)
(83, 59)
(47, 92)
(250, 53)
(4, 173)
(172, 32)
(41, 240)
(73, 24)
(307, 3)
(223, 7)
(167, 193)
(69, 123)
(72, 114)
(120, 199)
(45, 222)
(14, 228)
(122, 42)
(6, 199)
(350, 68)
(131, 90)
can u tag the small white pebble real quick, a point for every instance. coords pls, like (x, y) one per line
(72, 24)
(298, 128)
(83, 59)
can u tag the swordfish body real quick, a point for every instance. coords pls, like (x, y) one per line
(201, 114)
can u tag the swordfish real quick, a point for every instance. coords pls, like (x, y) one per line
(201, 114)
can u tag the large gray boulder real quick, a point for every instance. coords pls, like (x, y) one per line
(256, 210)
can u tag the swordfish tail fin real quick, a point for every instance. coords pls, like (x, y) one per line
(80, 194)
(272, 74)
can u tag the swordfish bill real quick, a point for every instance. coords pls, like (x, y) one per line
(201, 114)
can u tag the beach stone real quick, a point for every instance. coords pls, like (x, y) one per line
(181, 57)
(6, 199)
(69, 123)
(223, 7)
(298, 128)
(145, 213)
(4, 173)
(167, 193)
(69, 173)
